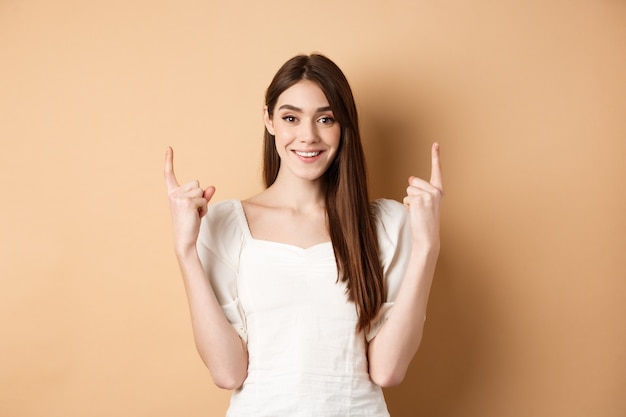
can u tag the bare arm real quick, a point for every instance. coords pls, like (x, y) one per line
(218, 344)
(391, 351)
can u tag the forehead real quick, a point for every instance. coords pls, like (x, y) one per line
(304, 94)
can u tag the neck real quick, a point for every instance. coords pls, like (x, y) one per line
(297, 193)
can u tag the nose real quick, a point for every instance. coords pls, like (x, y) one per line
(308, 133)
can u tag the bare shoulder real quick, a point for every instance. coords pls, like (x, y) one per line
(268, 219)
(261, 213)
(259, 205)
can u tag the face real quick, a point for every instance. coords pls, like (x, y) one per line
(305, 130)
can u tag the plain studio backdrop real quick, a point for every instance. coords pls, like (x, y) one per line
(527, 98)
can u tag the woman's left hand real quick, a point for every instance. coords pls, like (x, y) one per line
(423, 202)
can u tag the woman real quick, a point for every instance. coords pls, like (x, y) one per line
(306, 299)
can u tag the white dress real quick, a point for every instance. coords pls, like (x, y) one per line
(306, 358)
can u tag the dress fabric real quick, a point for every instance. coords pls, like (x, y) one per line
(306, 358)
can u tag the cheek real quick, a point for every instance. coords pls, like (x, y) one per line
(282, 132)
(281, 141)
(336, 137)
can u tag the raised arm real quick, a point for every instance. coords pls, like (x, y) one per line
(391, 351)
(219, 345)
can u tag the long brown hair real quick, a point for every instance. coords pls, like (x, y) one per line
(351, 223)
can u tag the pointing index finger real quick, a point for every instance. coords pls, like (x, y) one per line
(435, 176)
(170, 178)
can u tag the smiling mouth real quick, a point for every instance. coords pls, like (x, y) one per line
(307, 154)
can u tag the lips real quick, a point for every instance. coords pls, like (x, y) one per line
(307, 154)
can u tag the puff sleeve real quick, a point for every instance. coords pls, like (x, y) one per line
(219, 245)
(395, 244)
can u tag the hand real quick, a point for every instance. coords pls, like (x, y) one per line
(423, 203)
(188, 204)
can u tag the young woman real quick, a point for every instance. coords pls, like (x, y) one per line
(307, 298)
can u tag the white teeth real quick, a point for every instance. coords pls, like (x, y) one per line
(307, 154)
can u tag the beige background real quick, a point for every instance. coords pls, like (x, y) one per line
(528, 99)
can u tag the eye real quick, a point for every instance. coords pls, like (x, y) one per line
(327, 120)
(289, 119)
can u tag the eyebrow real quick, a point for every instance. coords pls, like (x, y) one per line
(298, 109)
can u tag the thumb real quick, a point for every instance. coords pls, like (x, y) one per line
(208, 193)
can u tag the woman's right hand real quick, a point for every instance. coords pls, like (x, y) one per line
(188, 204)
